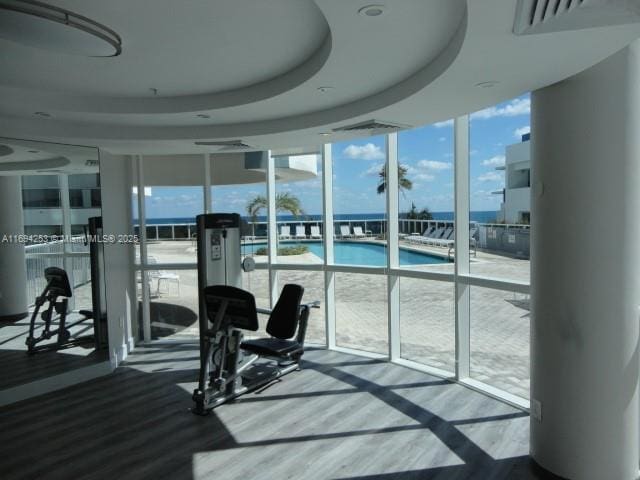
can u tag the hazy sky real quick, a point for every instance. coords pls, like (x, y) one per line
(427, 152)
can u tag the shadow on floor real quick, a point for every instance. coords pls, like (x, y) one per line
(168, 318)
(136, 424)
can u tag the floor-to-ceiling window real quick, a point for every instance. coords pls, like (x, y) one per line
(360, 245)
(499, 204)
(426, 251)
(414, 242)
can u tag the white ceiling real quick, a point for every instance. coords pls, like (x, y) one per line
(28, 157)
(254, 67)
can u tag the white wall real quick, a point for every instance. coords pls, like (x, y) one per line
(115, 177)
(517, 200)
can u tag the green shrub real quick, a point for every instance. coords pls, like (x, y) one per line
(284, 251)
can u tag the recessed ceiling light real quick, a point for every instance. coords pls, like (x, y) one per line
(324, 134)
(488, 84)
(372, 10)
(203, 115)
(324, 89)
(36, 24)
(42, 114)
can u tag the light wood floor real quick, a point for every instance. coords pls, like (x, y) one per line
(341, 417)
(19, 368)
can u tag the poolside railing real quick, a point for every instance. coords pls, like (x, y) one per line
(51, 254)
(512, 239)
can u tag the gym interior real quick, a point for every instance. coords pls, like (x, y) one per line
(244, 342)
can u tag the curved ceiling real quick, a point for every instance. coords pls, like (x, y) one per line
(256, 71)
(26, 157)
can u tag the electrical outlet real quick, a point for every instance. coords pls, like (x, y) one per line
(536, 409)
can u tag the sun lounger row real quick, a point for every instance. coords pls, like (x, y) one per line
(439, 236)
(345, 232)
(285, 232)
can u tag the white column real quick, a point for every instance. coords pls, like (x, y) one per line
(328, 233)
(65, 206)
(144, 274)
(272, 228)
(461, 267)
(393, 252)
(13, 279)
(585, 272)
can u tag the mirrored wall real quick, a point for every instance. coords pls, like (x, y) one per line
(52, 291)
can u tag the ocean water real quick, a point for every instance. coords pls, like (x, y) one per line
(478, 216)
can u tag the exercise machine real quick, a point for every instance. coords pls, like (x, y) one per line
(57, 286)
(230, 366)
(56, 295)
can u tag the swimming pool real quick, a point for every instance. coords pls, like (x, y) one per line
(356, 253)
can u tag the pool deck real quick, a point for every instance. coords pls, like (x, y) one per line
(499, 319)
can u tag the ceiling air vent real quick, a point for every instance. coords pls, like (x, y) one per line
(546, 16)
(372, 125)
(226, 144)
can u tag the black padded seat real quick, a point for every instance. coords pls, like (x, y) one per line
(274, 347)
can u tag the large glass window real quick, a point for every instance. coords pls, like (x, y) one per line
(299, 209)
(500, 339)
(257, 282)
(500, 185)
(426, 198)
(173, 303)
(359, 204)
(170, 222)
(499, 248)
(361, 312)
(427, 322)
(313, 283)
(247, 199)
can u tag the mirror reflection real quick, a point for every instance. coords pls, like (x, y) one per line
(52, 297)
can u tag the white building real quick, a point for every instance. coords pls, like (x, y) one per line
(516, 205)
(168, 89)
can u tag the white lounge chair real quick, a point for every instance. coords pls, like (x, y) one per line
(315, 232)
(285, 231)
(358, 233)
(162, 277)
(444, 240)
(300, 231)
(416, 237)
(428, 240)
(345, 231)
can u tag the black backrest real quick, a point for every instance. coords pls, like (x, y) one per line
(241, 306)
(57, 282)
(284, 317)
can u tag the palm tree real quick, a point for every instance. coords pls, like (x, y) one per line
(285, 202)
(403, 182)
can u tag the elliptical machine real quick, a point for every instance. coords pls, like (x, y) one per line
(57, 286)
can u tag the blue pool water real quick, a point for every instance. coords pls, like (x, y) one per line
(357, 253)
